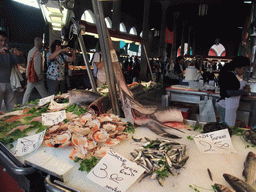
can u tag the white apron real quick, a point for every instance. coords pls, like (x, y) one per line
(231, 105)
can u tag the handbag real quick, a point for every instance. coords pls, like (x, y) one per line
(31, 74)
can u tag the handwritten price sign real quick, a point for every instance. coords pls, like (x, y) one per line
(28, 144)
(45, 100)
(114, 172)
(53, 118)
(215, 142)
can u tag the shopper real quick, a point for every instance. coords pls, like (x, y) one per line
(39, 67)
(56, 67)
(176, 75)
(7, 61)
(99, 70)
(232, 86)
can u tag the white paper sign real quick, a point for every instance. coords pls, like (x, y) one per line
(28, 144)
(215, 142)
(45, 100)
(55, 105)
(53, 118)
(115, 173)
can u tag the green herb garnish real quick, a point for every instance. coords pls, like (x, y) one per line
(163, 173)
(190, 138)
(237, 131)
(197, 127)
(129, 128)
(86, 164)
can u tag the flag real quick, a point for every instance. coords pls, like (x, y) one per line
(169, 36)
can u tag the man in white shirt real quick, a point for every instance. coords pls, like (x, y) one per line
(101, 76)
(38, 65)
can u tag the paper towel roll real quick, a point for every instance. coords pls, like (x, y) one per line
(191, 73)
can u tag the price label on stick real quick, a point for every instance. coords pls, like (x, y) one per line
(115, 173)
(53, 118)
(215, 142)
(45, 100)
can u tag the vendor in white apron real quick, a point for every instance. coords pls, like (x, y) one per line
(232, 86)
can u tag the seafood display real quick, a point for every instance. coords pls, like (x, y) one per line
(250, 136)
(215, 126)
(238, 184)
(160, 157)
(91, 135)
(138, 114)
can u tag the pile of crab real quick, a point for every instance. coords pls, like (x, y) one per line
(91, 135)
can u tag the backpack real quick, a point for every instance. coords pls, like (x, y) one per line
(31, 73)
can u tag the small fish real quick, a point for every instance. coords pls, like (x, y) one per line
(222, 188)
(136, 140)
(250, 168)
(238, 184)
(209, 173)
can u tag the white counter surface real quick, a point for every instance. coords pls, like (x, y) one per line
(194, 173)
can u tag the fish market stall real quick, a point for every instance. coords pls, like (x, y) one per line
(64, 172)
(186, 94)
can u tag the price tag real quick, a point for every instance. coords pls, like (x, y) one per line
(28, 144)
(45, 100)
(215, 142)
(55, 105)
(115, 173)
(114, 57)
(53, 118)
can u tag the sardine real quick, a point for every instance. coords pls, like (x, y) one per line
(222, 188)
(136, 140)
(237, 184)
(250, 168)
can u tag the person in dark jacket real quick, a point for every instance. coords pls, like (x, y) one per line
(232, 86)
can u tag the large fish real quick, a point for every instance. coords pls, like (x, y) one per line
(222, 188)
(250, 168)
(237, 184)
(82, 97)
(133, 110)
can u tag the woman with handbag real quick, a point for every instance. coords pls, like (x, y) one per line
(232, 86)
(56, 67)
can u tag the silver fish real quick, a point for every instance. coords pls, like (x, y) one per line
(237, 184)
(222, 188)
(82, 97)
(250, 168)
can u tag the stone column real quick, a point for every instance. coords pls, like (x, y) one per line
(184, 23)
(116, 15)
(145, 36)
(162, 43)
(175, 29)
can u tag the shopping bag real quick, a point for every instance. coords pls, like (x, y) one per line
(206, 111)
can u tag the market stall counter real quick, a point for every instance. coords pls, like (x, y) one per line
(185, 94)
(55, 163)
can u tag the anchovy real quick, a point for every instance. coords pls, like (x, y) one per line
(163, 155)
(209, 173)
(136, 140)
(238, 184)
(250, 168)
